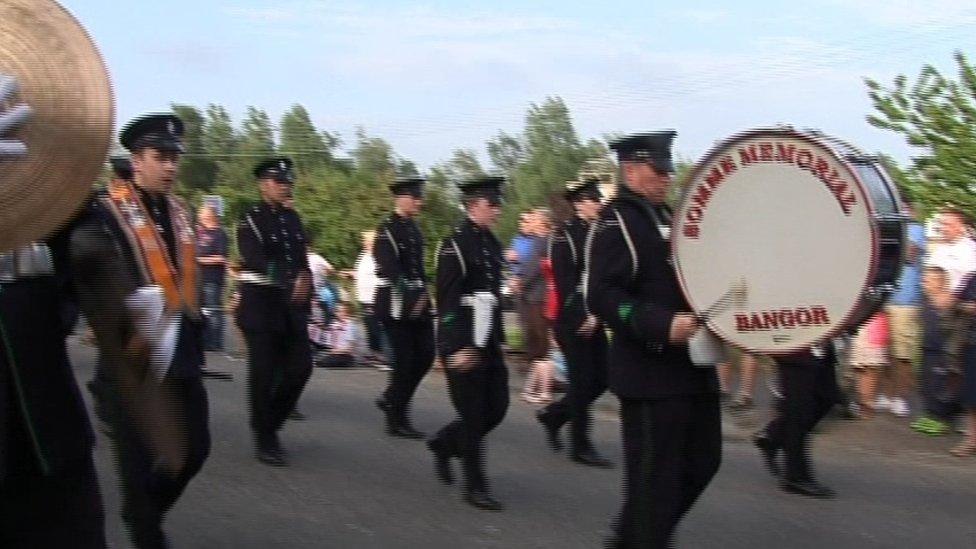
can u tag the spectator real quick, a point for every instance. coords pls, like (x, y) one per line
(337, 341)
(956, 252)
(319, 266)
(366, 281)
(521, 242)
(967, 448)
(943, 334)
(532, 291)
(212, 257)
(538, 384)
(748, 364)
(869, 358)
(903, 310)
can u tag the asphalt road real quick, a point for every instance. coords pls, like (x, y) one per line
(351, 486)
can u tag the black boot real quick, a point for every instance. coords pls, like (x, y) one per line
(400, 427)
(809, 488)
(482, 499)
(442, 462)
(591, 457)
(269, 450)
(761, 440)
(552, 430)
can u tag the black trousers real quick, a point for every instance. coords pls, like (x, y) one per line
(672, 449)
(278, 366)
(480, 397)
(586, 362)
(809, 392)
(413, 355)
(147, 493)
(60, 510)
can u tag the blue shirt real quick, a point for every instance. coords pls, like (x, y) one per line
(522, 244)
(910, 282)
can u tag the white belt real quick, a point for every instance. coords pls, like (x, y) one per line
(251, 277)
(30, 261)
(409, 283)
(483, 305)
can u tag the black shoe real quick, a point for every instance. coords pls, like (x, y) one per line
(442, 463)
(403, 430)
(552, 431)
(761, 441)
(295, 415)
(216, 374)
(483, 500)
(592, 459)
(270, 452)
(808, 488)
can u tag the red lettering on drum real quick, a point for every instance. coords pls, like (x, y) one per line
(820, 315)
(694, 215)
(803, 317)
(748, 154)
(728, 164)
(691, 231)
(766, 151)
(714, 177)
(742, 323)
(781, 319)
(787, 319)
(785, 153)
(804, 158)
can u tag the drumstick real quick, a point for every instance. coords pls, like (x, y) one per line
(736, 296)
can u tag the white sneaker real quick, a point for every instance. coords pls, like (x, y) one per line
(882, 403)
(899, 407)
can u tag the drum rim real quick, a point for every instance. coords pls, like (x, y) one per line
(823, 142)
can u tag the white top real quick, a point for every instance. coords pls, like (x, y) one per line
(366, 279)
(957, 258)
(318, 265)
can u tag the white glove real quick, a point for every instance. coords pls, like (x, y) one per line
(10, 119)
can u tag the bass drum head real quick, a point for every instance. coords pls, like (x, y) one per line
(778, 220)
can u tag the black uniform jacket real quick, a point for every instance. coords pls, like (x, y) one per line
(37, 385)
(399, 255)
(468, 260)
(104, 269)
(632, 287)
(271, 242)
(566, 253)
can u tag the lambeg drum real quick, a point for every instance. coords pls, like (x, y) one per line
(784, 238)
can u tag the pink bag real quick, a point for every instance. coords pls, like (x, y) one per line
(877, 330)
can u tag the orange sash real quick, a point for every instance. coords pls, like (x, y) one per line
(155, 264)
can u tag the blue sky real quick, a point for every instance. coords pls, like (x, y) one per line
(434, 76)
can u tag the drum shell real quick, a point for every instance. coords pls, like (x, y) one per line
(881, 214)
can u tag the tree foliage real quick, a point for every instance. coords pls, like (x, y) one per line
(936, 114)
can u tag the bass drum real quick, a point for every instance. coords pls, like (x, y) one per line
(804, 231)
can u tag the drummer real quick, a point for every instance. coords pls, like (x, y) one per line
(669, 407)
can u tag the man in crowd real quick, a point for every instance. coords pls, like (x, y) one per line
(273, 313)
(669, 407)
(579, 334)
(212, 257)
(956, 252)
(470, 337)
(531, 294)
(903, 318)
(403, 304)
(367, 284)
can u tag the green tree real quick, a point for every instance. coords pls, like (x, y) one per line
(198, 171)
(302, 142)
(505, 152)
(936, 114)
